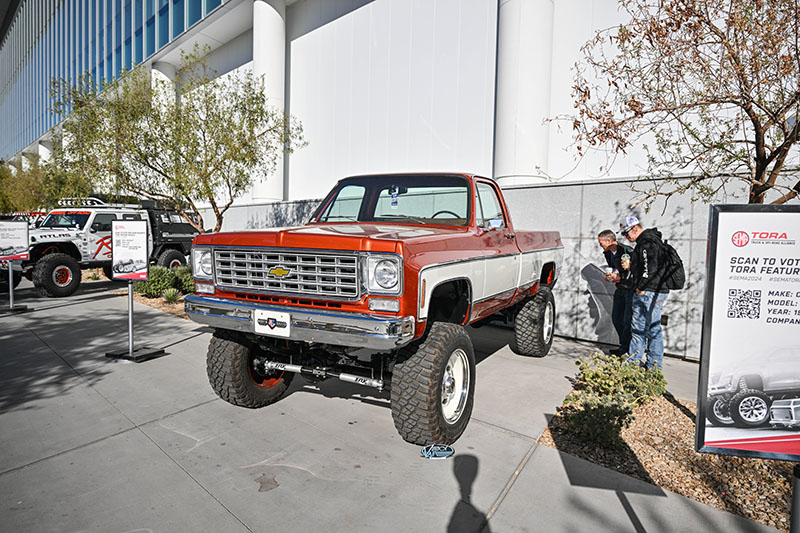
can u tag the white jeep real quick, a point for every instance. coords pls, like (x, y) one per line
(74, 238)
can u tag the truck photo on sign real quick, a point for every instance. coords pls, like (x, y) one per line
(749, 393)
(13, 241)
(129, 250)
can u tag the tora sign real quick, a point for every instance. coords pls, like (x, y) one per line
(749, 399)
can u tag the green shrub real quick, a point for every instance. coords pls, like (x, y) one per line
(171, 295)
(184, 279)
(605, 395)
(161, 279)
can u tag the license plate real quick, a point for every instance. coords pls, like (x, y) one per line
(272, 323)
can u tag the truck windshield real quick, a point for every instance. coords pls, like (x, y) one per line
(414, 199)
(66, 219)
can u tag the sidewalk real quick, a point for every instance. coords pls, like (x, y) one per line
(94, 444)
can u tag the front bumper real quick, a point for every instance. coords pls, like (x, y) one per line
(785, 413)
(311, 325)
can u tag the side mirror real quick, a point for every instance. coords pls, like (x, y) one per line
(495, 223)
(95, 227)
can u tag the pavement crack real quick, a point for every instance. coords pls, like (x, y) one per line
(510, 484)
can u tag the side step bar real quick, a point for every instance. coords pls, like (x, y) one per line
(324, 373)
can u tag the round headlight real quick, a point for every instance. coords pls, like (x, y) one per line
(386, 274)
(205, 264)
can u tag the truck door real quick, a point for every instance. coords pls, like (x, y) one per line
(100, 237)
(502, 257)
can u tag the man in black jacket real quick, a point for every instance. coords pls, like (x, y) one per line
(648, 273)
(622, 307)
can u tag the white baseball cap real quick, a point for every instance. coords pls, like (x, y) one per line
(630, 221)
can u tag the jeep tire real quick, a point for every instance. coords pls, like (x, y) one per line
(718, 412)
(16, 277)
(57, 275)
(433, 386)
(171, 259)
(229, 365)
(534, 324)
(750, 408)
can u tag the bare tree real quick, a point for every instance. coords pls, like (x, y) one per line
(710, 88)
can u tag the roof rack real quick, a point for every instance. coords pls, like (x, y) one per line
(93, 201)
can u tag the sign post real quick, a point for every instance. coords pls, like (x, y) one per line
(129, 261)
(13, 247)
(749, 391)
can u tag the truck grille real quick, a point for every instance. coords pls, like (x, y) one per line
(287, 271)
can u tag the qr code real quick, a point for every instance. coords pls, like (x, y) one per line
(744, 303)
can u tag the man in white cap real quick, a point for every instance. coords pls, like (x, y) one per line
(648, 272)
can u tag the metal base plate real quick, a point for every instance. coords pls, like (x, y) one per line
(14, 310)
(139, 355)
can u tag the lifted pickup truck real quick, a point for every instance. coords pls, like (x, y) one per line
(376, 290)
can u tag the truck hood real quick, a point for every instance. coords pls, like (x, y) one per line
(365, 237)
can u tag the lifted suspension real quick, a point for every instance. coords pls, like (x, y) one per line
(323, 373)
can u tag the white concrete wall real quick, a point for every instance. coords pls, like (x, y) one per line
(389, 86)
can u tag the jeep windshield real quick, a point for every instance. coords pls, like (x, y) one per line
(66, 219)
(418, 199)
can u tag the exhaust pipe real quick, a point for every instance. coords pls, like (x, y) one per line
(324, 373)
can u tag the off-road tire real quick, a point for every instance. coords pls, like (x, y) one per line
(107, 272)
(230, 373)
(49, 267)
(171, 259)
(16, 277)
(718, 412)
(750, 408)
(534, 324)
(417, 381)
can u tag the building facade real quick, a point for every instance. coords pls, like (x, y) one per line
(379, 85)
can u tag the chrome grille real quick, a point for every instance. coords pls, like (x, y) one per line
(287, 271)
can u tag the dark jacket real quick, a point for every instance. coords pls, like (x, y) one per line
(647, 265)
(625, 282)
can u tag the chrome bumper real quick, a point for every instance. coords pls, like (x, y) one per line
(311, 325)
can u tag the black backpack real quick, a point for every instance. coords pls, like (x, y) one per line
(674, 275)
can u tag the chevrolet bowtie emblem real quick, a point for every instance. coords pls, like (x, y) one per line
(278, 272)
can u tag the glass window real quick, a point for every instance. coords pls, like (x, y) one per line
(195, 11)
(138, 46)
(163, 22)
(346, 205)
(102, 221)
(177, 18)
(66, 219)
(490, 208)
(150, 37)
(211, 5)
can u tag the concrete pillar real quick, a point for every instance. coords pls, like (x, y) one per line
(45, 149)
(163, 72)
(522, 97)
(269, 60)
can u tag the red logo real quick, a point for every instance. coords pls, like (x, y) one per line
(740, 238)
(103, 244)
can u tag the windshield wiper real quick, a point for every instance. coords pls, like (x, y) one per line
(407, 217)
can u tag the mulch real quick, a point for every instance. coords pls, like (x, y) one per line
(658, 447)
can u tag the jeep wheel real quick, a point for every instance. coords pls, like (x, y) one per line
(16, 277)
(750, 408)
(534, 325)
(433, 385)
(57, 275)
(233, 377)
(718, 412)
(171, 259)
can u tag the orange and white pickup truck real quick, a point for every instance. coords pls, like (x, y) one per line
(376, 290)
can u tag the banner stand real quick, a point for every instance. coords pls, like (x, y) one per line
(795, 520)
(130, 261)
(12, 309)
(142, 353)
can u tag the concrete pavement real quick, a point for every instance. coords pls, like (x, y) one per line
(93, 444)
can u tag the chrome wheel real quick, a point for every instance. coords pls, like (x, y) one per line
(455, 386)
(753, 409)
(548, 322)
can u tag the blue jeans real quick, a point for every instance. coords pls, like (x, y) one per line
(646, 328)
